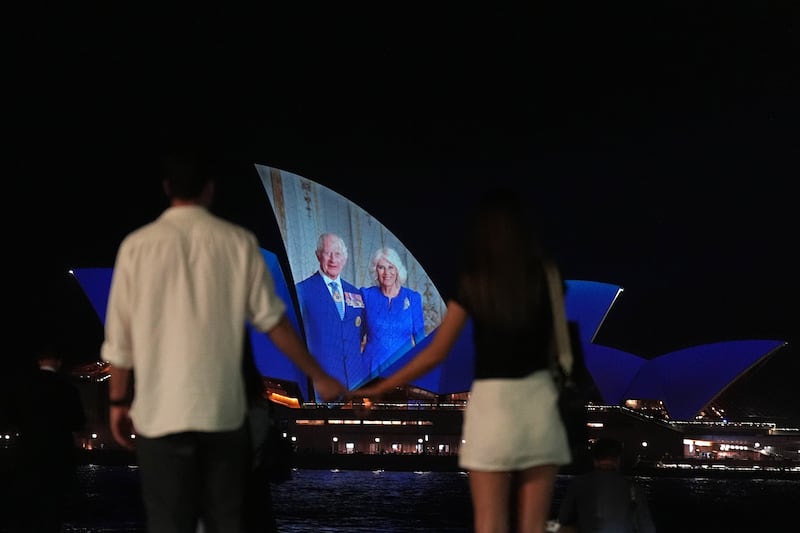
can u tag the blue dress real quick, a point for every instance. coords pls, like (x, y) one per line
(393, 326)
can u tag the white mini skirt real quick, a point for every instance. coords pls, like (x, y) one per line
(513, 424)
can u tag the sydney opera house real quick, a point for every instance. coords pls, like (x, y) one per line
(663, 408)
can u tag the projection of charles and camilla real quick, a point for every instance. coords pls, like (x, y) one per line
(686, 380)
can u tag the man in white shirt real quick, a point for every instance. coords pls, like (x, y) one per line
(183, 288)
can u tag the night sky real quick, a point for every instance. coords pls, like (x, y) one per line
(658, 145)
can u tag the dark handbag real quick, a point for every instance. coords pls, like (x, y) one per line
(569, 372)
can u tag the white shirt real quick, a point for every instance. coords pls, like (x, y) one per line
(182, 288)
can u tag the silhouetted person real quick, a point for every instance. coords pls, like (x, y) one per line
(604, 500)
(47, 411)
(259, 514)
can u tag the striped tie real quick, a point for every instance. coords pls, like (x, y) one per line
(337, 297)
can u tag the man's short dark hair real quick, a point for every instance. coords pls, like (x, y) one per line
(187, 169)
(606, 448)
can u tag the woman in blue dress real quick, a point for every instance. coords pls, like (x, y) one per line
(393, 313)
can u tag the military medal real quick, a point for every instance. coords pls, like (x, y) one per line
(353, 300)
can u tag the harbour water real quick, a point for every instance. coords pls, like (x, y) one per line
(354, 501)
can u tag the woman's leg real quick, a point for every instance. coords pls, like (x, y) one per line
(490, 501)
(535, 493)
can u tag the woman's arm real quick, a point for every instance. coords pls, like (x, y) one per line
(437, 351)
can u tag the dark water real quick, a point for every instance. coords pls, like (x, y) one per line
(323, 501)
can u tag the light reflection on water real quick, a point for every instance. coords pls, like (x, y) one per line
(374, 501)
(323, 501)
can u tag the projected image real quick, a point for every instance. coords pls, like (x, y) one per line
(363, 298)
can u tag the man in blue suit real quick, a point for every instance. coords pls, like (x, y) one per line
(333, 314)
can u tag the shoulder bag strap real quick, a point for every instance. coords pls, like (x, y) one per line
(561, 334)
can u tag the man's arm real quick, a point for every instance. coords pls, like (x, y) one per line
(287, 341)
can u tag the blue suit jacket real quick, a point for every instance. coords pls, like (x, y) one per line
(334, 341)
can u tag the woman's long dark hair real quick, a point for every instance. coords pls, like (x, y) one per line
(502, 275)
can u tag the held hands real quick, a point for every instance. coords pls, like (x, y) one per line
(370, 392)
(329, 388)
(367, 395)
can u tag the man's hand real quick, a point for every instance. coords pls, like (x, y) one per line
(122, 426)
(329, 389)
